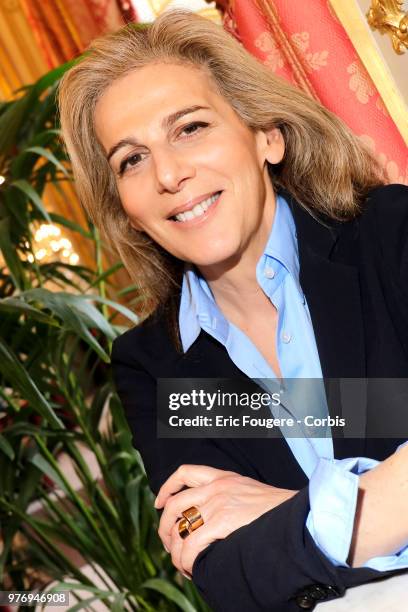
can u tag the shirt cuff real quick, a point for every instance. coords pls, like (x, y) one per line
(333, 490)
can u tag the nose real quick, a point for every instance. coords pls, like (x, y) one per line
(172, 169)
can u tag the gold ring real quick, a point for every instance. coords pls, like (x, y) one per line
(184, 528)
(191, 521)
(194, 517)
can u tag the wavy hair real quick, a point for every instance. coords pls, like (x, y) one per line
(326, 167)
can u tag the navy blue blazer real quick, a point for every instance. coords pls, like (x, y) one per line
(355, 278)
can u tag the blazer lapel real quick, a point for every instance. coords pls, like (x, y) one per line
(330, 282)
(332, 290)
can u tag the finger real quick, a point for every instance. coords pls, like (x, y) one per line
(190, 476)
(176, 546)
(197, 541)
(175, 506)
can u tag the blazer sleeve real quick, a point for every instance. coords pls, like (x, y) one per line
(271, 564)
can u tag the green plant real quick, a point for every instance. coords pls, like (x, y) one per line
(57, 401)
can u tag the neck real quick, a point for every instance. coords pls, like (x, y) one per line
(233, 282)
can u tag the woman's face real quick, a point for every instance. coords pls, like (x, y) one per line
(189, 172)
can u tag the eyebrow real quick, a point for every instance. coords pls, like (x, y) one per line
(165, 124)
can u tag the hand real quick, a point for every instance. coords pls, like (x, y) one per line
(226, 501)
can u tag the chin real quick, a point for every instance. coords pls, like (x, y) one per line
(212, 257)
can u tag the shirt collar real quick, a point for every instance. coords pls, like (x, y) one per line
(282, 242)
(198, 308)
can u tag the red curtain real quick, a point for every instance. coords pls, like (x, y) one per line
(63, 28)
(306, 44)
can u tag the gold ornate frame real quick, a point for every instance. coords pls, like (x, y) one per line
(350, 17)
(387, 17)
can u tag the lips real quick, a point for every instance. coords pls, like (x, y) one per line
(191, 203)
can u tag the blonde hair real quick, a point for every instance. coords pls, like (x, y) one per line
(325, 168)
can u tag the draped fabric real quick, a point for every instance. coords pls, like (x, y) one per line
(64, 28)
(19, 65)
(306, 44)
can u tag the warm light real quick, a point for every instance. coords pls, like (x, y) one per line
(65, 243)
(51, 245)
(2, 179)
(46, 230)
(40, 254)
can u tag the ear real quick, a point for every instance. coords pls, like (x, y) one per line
(274, 146)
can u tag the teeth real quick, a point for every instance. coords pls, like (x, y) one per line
(198, 209)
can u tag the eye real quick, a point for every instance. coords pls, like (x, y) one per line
(132, 160)
(194, 127)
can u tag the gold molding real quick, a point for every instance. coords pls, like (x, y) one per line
(350, 17)
(387, 17)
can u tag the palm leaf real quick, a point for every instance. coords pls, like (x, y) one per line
(17, 376)
(32, 195)
(170, 592)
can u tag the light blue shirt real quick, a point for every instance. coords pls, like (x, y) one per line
(333, 484)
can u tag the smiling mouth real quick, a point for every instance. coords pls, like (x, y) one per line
(196, 211)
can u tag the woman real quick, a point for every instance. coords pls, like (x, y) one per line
(266, 244)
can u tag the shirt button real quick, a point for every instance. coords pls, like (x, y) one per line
(286, 337)
(269, 272)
